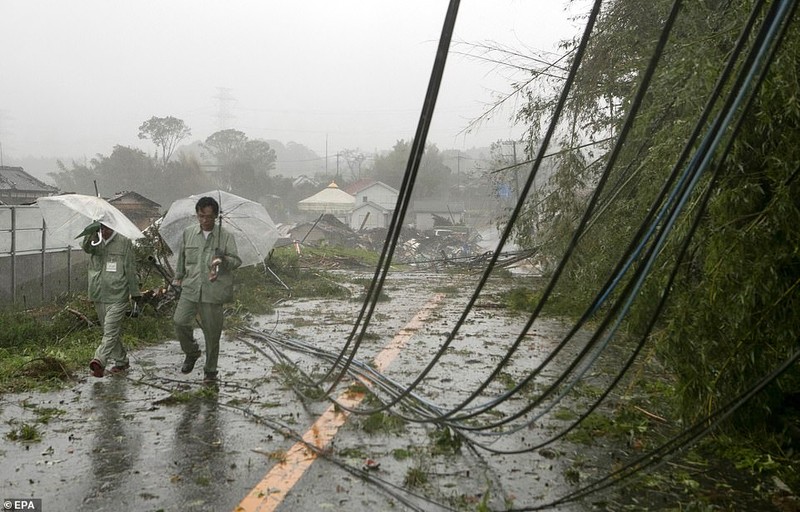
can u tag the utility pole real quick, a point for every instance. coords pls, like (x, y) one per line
(458, 171)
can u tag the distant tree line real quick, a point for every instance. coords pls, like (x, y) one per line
(237, 164)
(435, 178)
(240, 165)
(131, 169)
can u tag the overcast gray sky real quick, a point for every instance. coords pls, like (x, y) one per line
(80, 76)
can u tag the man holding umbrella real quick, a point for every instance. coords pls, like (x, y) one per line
(112, 282)
(206, 258)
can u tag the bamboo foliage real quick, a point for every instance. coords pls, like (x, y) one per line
(734, 310)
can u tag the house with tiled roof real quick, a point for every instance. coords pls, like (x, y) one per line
(19, 187)
(139, 209)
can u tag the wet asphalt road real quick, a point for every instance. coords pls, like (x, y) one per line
(158, 440)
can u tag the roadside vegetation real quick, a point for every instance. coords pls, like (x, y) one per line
(728, 269)
(730, 469)
(49, 347)
(729, 266)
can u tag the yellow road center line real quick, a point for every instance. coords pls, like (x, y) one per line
(276, 484)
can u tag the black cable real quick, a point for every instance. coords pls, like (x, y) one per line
(637, 239)
(698, 430)
(752, 63)
(403, 199)
(690, 436)
(506, 233)
(523, 383)
(635, 104)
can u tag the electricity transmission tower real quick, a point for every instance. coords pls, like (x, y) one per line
(225, 103)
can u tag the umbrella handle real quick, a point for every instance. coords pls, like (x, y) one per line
(218, 253)
(99, 239)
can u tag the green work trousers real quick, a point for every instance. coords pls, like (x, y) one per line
(111, 315)
(210, 323)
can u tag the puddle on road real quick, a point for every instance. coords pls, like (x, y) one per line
(159, 440)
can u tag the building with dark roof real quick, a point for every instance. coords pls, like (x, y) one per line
(19, 187)
(139, 209)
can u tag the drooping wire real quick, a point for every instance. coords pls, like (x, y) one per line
(676, 199)
(403, 200)
(587, 365)
(507, 231)
(667, 220)
(756, 63)
(635, 104)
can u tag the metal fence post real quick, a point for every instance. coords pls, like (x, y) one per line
(13, 255)
(69, 271)
(44, 242)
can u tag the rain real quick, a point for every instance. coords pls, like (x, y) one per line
(484, 256)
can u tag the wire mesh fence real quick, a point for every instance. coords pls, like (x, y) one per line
(33, 269)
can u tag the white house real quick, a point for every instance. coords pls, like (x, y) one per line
(374, 204)
(369, 215)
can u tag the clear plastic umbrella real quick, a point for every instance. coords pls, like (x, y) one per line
(248, 222)
(66, 217)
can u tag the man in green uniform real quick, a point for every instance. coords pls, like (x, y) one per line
(206, 259)
(112, 283)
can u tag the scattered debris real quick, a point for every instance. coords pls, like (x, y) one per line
(80, 315)
(432, 249)
(371, 465)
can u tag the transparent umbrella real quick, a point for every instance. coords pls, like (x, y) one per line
(68, 215)
(248, 222)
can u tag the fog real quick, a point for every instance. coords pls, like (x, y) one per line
(81, 76)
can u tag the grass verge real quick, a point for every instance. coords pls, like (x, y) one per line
(45, 348)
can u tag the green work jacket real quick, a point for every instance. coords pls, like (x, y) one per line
(194, 265)
(112, 269)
